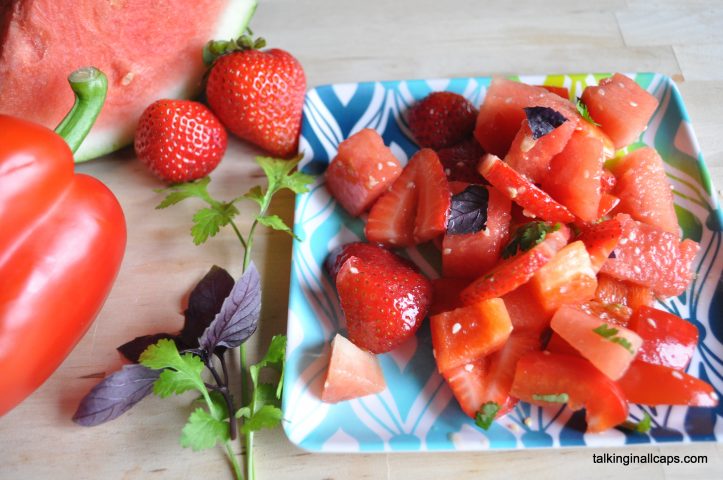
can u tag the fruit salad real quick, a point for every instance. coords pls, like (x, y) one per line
(557, 233)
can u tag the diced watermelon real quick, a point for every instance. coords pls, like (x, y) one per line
(468, 255)
(362, 170)
(614, 291)
(651, 257)
(667, 339)
(567, 278)
(575, 173)
(502, 112)
(467, 334)
(608, 347)
(522, 191)
(526, 311)
(644, 190)
(621, 107)
(561, 92)
(352, 373)
(531, 157)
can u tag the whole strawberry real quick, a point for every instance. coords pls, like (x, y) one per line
(179, 140)
(383, 297)
(441, 120)
(258, 95)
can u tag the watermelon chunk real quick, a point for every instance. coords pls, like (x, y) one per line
(621, 107)
(42, 41)
(651, 257)
(362, 170)
(352, 373)
(575, 173)
(644, 190)
(467, 255)
(501, 113)
(532, 157)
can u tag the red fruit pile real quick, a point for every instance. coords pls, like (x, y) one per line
(546, 236)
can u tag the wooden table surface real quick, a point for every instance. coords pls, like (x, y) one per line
(336, 41)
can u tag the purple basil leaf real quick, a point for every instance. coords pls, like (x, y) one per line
(543, 120)
(204, 303)
(239, 314)
(468, 210)
(115, 394)
(132, 350)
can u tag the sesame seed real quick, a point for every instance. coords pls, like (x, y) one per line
(632, 236)
(637, 251)
(633, 104)
(391, 164)
(469, 367)
(446, 251)
(528, 421)
(326, 385)
(410, 185)
(372, 181)
(434, 353)
(512, 191)
(621, 85)
(623, 241)
(460, 164)
(354, 270)
(636, 269)
(714, 396)
(677, 375)
(601, 92)
(528, 213)
(456, 328)
(447, 172)
(652, 323)
(508, 100)
(380, 166)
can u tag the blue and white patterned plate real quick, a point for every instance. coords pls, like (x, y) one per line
(417, 412)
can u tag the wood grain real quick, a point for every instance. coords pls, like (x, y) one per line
(339, 41)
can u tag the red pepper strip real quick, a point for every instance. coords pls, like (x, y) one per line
(62, 240)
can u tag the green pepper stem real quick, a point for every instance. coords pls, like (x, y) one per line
(90, 86)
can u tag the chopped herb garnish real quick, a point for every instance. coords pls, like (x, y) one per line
(468, 210)
(486, 415)
(611, 334)
(543, 120)
(643, 426)
(584, 112)
(552, 397)
(527, 236)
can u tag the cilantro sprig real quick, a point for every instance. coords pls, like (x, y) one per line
(486, 415)
(221, 315)
(527, 236)
(643, 426)
(611, 334)
(584, 112)
(551, 397)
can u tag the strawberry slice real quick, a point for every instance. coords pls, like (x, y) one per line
(537, 250)
(521, 191)
(467, 383)
(415, 209)
(600, 240)
(467, 334)
(460, 161)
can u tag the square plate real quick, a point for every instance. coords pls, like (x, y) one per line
(417, 412)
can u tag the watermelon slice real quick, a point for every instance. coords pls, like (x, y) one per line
(352, 373)
(148, 50)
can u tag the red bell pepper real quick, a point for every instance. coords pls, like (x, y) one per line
(62, 239)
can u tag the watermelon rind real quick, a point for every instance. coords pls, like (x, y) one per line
(104, 140)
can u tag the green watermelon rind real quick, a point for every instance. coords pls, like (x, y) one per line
(101, 142)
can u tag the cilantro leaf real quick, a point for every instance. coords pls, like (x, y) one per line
(182, 191)
(184, 371)
(203, 431)
(584, 112)
(280, 174)
(486, 415)
(527, 236)
(543, 120)
(611, 334)
(268, 416)
(468, 210)
(643, 426)
(551, 398)
(274, 358)
(208, 221)
(275, 222)
(255, 194)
